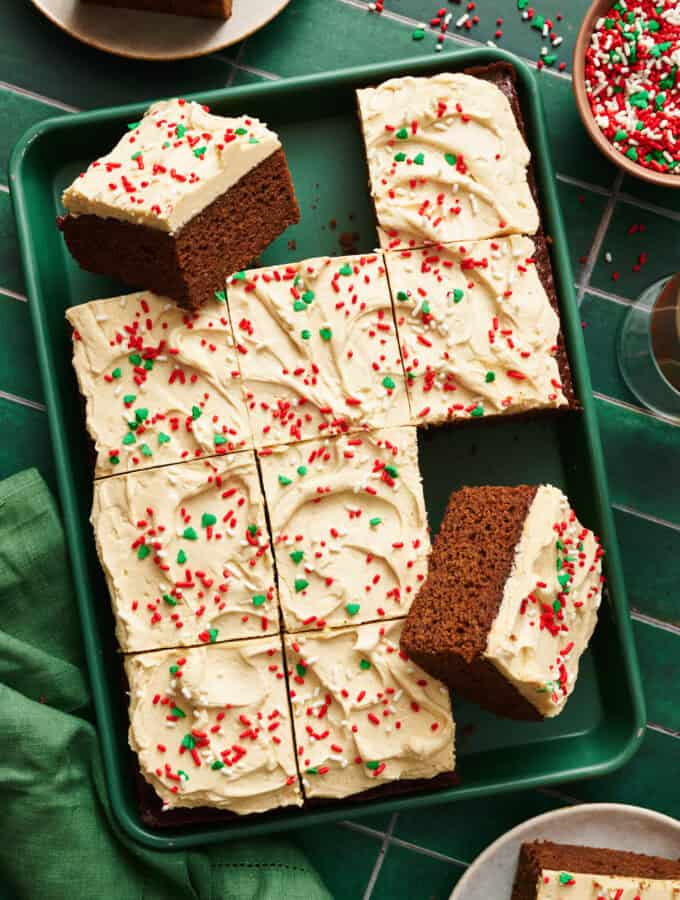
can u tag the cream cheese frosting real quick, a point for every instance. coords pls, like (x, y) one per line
(477, 332)
(349, 527)
(211, 726)
(186, 554)
(554, 885)
(318, 348)
(170, 165)
(161, 384)
(446, 161)
(363, 714)
(550, 601)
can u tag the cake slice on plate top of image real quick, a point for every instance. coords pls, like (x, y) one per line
(183, 199)
(209, 9)
(510, 601)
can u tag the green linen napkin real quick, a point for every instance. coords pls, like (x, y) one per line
(59, 839)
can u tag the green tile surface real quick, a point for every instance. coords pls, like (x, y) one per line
(427, 850)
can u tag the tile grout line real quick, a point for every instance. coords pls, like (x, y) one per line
(253, 70)
(4, 188)
(234, 63)
(660, 729)
(449, 35)
(362, 829)
(654, 623)
(559, 795)
(666, 523)
(585, 185)
(22, 401)
(48, 101)
(606, 295)
(598, 239)
(424, 851)
(622, 404)
(630, 200)
(381, 858)
(13, 295)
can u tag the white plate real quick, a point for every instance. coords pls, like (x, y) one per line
(157, 36)
(612, 825)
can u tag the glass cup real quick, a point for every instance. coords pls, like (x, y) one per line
(649, 348)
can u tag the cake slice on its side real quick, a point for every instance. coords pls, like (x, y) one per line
(363, 715)
(183, 199)
(479, 330)
(447, 159)
(510, 601)
(209, 9)
(548, 871)
(196, 725)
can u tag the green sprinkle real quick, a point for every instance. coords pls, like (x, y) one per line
(163, 438)
(284, 480)
(419, 159)
(418, 34)
(639, 99)
(311, 771)
(218, 764)
(196, 412)
(177, 712)
(259, 599)
(392, 471)
(129, 438)
(301, 470)
(326, 334)
(566, 878)
(659, 101)
(129, 398)
(658, 49)
(489, 377)
(375, 521)
(133, 125)
(564, 579)
(538, 22)
(352, 608)
(669, 80)
(609, 23)
(189, 534)
(208, 519)
(620, 135)
(212, 633)
(457, 295)
(346, 269)
(301, 670)
(180, 131)
(549, 59)
(143, 551)
(174, 670)
(299, 305)
(297, 556)
(557, 606)
(219, 439)
(183, 774)
(365, 665)
(181, 557)
(305, 334)
(373, 764)
(114, 460)
(189, 741)
(632, 153)
(653, 25)
(141, 414)
(308, 296)
(301, 584)
(116, 373)
(146, 450)
(402, 296)
(148, 364)
(199, 151)
(451, 158)
(402, 134)
(169, 600)
(240, 131)
(221, 296)
(238, 276)
(388, 383)
(252, 530)
(478, 411)
(399, 157)
(522, 4)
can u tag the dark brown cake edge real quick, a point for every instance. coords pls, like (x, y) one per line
(467, 673)
(211, 9)
(574, 859)
(191, 265)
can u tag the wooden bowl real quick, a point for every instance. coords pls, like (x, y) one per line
(599, 8)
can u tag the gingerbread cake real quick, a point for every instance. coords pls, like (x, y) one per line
(363, 715)
(349, 527)
(185, 198)
(210, 9)
(479, 330)
(211, 726)
(447, 160)
(318, 348)
(161, 384)
(549, 871)
(510, 601)
(185, 550)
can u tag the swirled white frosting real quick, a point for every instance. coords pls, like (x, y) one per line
(446, 161)
(170, 165)
(185, 550)
(363, 714)
(211, 726)
(553, 885)
(349, 527)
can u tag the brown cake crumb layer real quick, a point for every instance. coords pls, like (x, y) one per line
(191, 265)
(539, 855)
(210, 9)
(447, 628)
